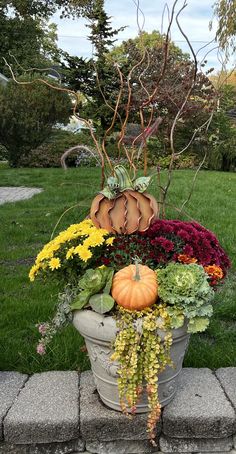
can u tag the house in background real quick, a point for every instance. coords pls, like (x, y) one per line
(3, 79)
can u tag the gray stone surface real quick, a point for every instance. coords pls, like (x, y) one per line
(10, 385)
(181, 445)
(46, 410)
(200, 408)
(221, 452)
(67, 447)
(107, 424)
(121, 447)
(15, 194)
(227, 378)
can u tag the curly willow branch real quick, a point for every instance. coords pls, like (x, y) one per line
(75, 96)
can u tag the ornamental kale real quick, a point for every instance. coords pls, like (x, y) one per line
(186, 289)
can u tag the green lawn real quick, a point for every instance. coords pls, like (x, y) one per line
(27, 225)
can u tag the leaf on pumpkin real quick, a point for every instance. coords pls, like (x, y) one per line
(141, 183)
(101, 303)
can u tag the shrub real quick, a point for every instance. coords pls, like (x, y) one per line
(49, 153)
(28, 114)
(3, 153)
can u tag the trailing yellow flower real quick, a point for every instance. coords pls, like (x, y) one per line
(54, 263)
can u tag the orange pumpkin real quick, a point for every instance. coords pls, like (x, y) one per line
(135, 287)
(130, 211)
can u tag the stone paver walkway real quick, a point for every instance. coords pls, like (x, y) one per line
(15, 194)
(60, 412)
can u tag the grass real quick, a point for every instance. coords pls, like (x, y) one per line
(27, 225)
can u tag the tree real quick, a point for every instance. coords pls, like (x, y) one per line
(38, 43)
(46, 8)
(222, 132)
(28, 114)
(223, 77)
(26, 21)
(225, 11)
(165, 75)
(83, 75)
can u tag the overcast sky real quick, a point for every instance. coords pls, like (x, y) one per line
(72, 34)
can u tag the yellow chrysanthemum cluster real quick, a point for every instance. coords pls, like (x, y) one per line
(77, 240)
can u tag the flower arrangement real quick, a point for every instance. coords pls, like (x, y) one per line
(150, 281)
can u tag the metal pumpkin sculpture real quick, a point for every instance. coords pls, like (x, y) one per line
(124, 206)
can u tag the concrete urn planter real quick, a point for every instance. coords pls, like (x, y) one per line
(99, 331)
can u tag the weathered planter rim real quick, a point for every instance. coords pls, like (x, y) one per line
(102, 325)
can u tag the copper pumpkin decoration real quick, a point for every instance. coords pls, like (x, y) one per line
(121, 208)
(129, 212)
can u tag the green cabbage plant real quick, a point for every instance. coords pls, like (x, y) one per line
(95, 286)
(186, 291)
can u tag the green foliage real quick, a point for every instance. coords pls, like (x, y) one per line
(225, 11)
(221, 143)
(46, 8)
(49, 153)
(94, 280)
(146, 40)
(186, 288)
(159, 156)
(82, 75)
(28, 114)
(92, 283)
(38, 47)
(26, 22)
(3, 153)
(101, 303)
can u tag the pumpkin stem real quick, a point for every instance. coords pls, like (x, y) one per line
(137, 276)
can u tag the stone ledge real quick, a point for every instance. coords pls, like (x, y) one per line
(46, 410)
(200, 408)
(10, 385)
(107, 424)
(43, 414)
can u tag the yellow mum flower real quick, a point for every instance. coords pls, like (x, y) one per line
(77, 249)
(54, 263)
(93, 240)
(70, 253)
(110, 240)
(85, 254)
(33, 272)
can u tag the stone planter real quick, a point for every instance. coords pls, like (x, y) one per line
(99, 331)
